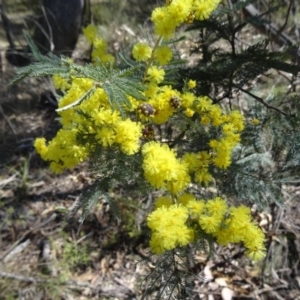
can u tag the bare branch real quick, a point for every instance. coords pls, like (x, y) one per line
(260, 100)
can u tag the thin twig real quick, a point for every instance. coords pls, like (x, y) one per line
(17, 250)
(21, 278)
(40, 280)
(15, 244)
(85, 237)
(7, 120)
(4, 182)
(280, 30)
(260, 100)
(50, 35)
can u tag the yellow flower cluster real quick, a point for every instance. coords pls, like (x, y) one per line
(93, 123)
(160, 99)
(162, 104)
(197, 164)
(99, 46)
(93, 118)
(63, 151)
(60, 83)
(175, 225)
(191, 84)
(162, 169)
(141, 51)
(169, 229)
(230, 124)
(162, 55)
(167, 18)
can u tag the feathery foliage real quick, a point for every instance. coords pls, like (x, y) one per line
(118, 84)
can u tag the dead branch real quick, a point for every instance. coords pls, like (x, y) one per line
(260, 100)
(41, 224)
(21, 278)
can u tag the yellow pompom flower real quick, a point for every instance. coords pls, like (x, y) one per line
(163, 23)
(100, 45)
(152, 89)
(197, 162)
(156, 75)
(162, 169)
(60, 83)
(213, 144)
(40, 147)
(105, 117)
(228, 128)
(222, 160)
(100, 52)
(191, 160)
(184, 199)
(181, 182)
(255, 121)
(169, 229)
(204, 104)
(215, 114)
(160, 164)
(128, 134)
(205, 120)
(162, 104)
(179, 213)
(216, 207)
(163, 55)
(106, 136)
(163, 201)
(256, 252)
(141, 51)
(163, 115)
(237, 119)
(222, 152)
(107, 59)
(203, 8)
(251, 234)
(90, 32)
(157, 217)
(253, 239)
(209, 224)
(179, 10)
(159, 14)
(203, 176)
(189, 112)
(188, 99)
(98, 99)
(191, 84)
(195, 207)
(241, 213)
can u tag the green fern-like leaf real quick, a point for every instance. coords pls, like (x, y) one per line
(89, 199)
(118, 84)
